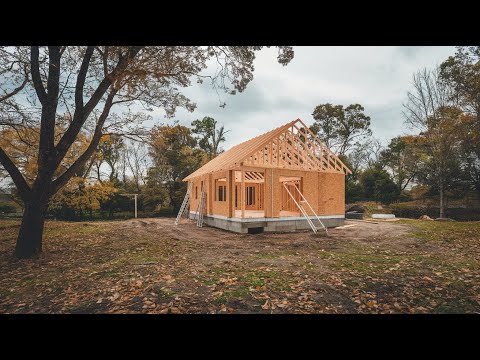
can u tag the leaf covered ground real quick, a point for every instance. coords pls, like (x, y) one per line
(151, 266)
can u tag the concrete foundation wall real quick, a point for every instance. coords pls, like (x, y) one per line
(268, 224)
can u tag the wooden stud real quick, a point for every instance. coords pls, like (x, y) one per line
(242, 196)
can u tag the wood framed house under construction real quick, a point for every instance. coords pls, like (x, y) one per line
(283, 180)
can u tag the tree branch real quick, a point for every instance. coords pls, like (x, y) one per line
(53, 82)
(49, 110)
(17, 90)
(37, 80)
(81, 115)
(15, 174)
(67, 175)
(82, 74)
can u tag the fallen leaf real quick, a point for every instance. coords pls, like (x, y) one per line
(266, 306)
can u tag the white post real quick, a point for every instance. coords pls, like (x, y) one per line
(135, 206)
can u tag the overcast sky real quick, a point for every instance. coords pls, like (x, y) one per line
(376, 77)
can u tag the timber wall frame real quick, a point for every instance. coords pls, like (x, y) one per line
(291, 150)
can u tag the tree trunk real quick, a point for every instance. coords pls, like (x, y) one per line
(29, 241)
(442, 202)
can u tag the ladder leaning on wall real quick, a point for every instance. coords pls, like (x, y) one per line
(201, 209)
(185, 203)
(302, 209)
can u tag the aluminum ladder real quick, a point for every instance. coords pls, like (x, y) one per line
(302, 210)
(201, 208)
(185, 203)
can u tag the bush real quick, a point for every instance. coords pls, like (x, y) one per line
(404, 197)
(378, 185)
(414, 211)
(353, 192)
(411, 210)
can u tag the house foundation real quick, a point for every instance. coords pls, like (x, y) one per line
(264, 224)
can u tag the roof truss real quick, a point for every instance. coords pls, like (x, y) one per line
(295, 147)
(291, 146)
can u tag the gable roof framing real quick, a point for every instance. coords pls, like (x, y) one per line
(291, 146)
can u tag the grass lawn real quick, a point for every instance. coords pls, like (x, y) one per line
(151, 266)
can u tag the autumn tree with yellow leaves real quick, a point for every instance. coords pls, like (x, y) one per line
(87, 82)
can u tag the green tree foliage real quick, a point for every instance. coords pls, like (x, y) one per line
(353, 190)
(338, 127)
(209, 137)
(175, 155)
(377, 185)
(111, 150)
(431, 109)
(402, 159)
(462, 72)
(80, 197)
(440, 153)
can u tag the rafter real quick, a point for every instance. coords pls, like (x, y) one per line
(282, 147)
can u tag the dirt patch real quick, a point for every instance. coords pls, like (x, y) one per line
(153, 266)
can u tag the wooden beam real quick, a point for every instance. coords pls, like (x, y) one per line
(270, 153)
(313, 153)
(342, 165)
(242, 196)
(231, 194)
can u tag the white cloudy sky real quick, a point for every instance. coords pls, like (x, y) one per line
(376, 77)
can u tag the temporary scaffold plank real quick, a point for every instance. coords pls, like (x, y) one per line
(291, 146)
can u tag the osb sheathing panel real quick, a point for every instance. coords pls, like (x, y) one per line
(309, 187)
(197, 183)
(219, 207)
(324, 191)
(209, 194)
(310, 191)
(277, 195)
(331, 194)
(268, 192)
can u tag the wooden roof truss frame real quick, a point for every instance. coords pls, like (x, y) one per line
(291, 146)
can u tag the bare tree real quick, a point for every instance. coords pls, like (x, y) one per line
(431, 109)
(37, 83)
(365, 154)
(136, 160)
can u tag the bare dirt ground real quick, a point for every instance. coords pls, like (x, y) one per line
(152, 266)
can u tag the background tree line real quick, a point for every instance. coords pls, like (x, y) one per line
(153, 168)
(440, 162)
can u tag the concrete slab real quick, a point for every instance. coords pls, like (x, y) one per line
(383, 216)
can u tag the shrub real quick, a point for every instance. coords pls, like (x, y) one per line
(353, 192)
(411, 210)
(378, 185)
(414, 211)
